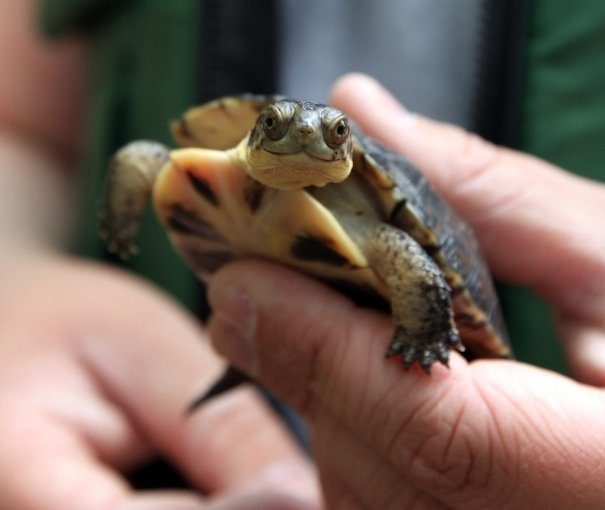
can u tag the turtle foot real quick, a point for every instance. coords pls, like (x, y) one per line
(424, 350)
(118, 236)
(130, 180)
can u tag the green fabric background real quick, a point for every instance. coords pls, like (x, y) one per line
(562, 121)
(142, 74)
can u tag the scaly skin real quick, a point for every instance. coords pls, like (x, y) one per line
(130, 180)
(421, 304)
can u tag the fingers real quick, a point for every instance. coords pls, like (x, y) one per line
(323, 356)
(537, 224)
(245, 500)
(46, 467)
(102, 378)
(458, 436)
(249, 304)
(164, 500)
(153, 360)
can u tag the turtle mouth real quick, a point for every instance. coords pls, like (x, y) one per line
(334, 155)
(273, 178)
(296, 170)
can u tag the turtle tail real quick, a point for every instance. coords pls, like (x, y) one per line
(132, 174)
(229, 380)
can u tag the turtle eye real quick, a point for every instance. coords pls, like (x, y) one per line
(337, 132)
(274, 123)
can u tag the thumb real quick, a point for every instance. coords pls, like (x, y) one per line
(538, 225)
(490, 434)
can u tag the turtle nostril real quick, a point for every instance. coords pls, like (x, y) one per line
(306, 130)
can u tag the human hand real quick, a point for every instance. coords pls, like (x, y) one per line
(96, 371)
(489, 434)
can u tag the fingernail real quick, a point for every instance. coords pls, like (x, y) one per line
(233, 325)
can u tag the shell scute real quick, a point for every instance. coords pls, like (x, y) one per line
(413, 206)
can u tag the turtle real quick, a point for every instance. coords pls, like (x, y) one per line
(296, 183)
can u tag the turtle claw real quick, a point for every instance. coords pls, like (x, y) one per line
(118, 234)
(123, 250)
(416, 349)
(453, 340)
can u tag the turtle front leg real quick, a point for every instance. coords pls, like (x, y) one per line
(132, 174)
(421, 304)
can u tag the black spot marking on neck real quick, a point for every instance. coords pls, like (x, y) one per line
(313, 249)
(202, 188)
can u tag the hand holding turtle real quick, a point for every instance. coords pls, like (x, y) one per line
(490, 434)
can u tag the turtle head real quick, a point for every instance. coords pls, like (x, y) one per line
(295, 144)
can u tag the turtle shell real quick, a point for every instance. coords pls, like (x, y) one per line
(410, 203)
(403, 197)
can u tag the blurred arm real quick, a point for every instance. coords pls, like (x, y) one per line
(40, 113)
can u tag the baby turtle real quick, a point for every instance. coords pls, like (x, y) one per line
(288, 181)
